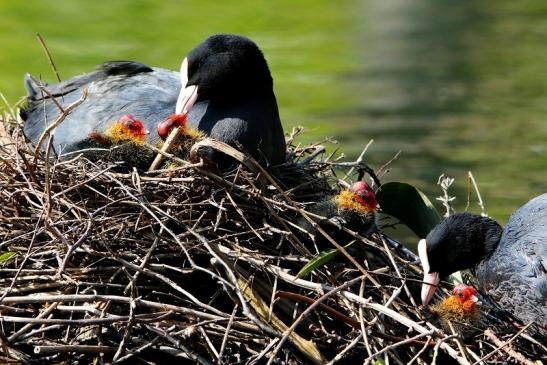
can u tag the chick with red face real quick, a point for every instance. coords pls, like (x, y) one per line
(459, 311)
(184, 138)
(353, 208)
(462, 302)
(126, 129)
(122, 142)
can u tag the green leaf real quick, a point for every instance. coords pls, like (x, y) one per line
(409, 205)
(321, 259)
(7, 255)
(455, 278)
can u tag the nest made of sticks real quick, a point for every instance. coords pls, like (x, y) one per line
(99, 265)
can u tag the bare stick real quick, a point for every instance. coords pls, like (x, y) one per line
(471, 180)
(48, 55)
(397, 344)
(56, 123)
(306, 312)
(28, 326)
(165, 148)
(359, 159)
(502, 345)
(82, 349)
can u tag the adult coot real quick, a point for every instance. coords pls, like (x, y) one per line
(510, 264)
(226, 89)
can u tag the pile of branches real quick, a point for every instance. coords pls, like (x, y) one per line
(99, 265)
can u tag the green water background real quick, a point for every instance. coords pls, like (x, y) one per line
(454, 85)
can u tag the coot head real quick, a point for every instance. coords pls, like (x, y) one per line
(464, 293)
(133, 125)
(223, 67)
(365, 195)
(127, 128)
(459, 242)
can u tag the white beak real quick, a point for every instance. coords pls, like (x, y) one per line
(188, 94)
(431, 280)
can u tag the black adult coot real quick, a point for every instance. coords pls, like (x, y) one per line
(226, 89)
(510, 264)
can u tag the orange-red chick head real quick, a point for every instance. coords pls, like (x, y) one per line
(465, 293)
(173, 121)
(359, 197)
(462, 300)
(127, 128)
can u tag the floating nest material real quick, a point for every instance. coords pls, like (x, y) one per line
(110, 267)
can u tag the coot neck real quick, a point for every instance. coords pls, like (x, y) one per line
(491, 241)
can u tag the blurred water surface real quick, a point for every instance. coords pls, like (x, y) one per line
(455, 85)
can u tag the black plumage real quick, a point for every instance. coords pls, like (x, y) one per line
(235, 101)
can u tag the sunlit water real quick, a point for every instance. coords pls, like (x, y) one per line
(454, 85)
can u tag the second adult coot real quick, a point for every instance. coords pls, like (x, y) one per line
(224, 85)
(510, 263)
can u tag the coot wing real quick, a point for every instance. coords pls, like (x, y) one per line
(516, 273)
(115, 89)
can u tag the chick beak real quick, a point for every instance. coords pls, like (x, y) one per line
(164, 128)
(188, 93)
(431, 280)
(474, 298)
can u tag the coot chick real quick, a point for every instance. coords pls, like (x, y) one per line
(352, 208)
(510, 264)
(225, 78)
(186, 137)
(459, 310)
(122, 142)
(460, 305)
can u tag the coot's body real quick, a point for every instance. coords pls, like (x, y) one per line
(515, 274)
(235, 101)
